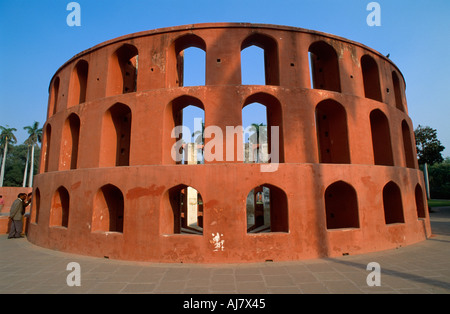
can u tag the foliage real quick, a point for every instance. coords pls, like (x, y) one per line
(15, 164)
(439, 177)
(439, 203)
(199, 136)
(7, 137)
(35, 134)
(428, 146)
(259, 134)
(14, 158)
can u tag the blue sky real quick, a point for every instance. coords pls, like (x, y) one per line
(36, 41)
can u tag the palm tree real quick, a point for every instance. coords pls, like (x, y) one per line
(6, 137)
(199, 139)
(24, 182)
(35, 137)
(258, 137)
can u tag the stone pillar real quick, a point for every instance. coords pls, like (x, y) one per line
(190, 153)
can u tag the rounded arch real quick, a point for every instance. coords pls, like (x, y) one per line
(180, 102)
(69, 144)
(408, 147)
(371, 78)
(36, 206)
(60, 208)
(45, 158)
(274, 117)
(398, 93)
(381, 138)
(420, 207)
(108, 210)
(332, 132)
(271, 59)
(116, 136)
(341, 206)
(54, 94)
(175, 57)
(324, 66)
(392, 203)
(182, 211)
(188, 40)
(78, 84)
(267, 209)
(173, 121)
(123, 70)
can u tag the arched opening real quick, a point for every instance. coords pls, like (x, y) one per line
(36, 205)
(420, 207)
(371, 78)
(194, 137)
(78, 84)
(253, 66)
(255, 139)
(324, 67)
(46, 148)
(341, 206)
(262, 121)
(182, 211)
(69, 146)
(116, 136)
(59, 212)
(332, 134)
(267, 210)
(108, 211)
(392, 204)
(123, 71)
(269, 48)
(186, 65)
(397, 91)
(381, 138)
(407, 145)
(184, 131)
(194, 66)
(54, 96)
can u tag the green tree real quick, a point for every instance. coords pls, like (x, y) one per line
(15, 164)
(428, 146)
(199, 139)
(6, 137)
(24, 182)
(440, 180)
(259, 136)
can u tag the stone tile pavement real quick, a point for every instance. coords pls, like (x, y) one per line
(422, 268)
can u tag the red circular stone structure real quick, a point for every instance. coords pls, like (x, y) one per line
(346, 180)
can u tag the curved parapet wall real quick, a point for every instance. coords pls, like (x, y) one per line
(342, 177)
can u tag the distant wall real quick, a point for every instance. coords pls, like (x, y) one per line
(10, 195)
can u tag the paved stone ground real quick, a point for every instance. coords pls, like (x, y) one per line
(422, 268)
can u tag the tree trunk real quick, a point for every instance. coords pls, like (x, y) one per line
(24, 182)
(2, 173)
(30, 176)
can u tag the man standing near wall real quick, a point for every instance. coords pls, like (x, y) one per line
(16, 215)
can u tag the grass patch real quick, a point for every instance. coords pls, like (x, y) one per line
(438, 203)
